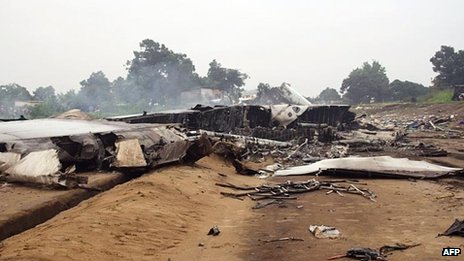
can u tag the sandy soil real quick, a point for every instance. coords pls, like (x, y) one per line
(23, 207)
(149, 218)
(166, 214)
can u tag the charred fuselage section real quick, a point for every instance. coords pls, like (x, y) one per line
(276, 122)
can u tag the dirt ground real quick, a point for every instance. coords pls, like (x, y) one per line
(23, 207)
(166, 214)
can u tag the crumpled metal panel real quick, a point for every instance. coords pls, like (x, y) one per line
(37, 167)
(129, 154)
(160, 145)
(8, 159)
(292, 95)
(175, 145)
(385, 166)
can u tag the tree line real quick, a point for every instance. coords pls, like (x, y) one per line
(155, 78)
(369, 83)
(157, 75)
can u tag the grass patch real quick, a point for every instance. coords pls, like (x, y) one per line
(438, 96)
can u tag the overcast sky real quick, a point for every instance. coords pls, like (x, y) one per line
(309, 44)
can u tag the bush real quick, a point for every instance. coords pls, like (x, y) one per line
(44, 110)
(439, 96)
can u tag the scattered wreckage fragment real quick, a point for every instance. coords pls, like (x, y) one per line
(365, 141)
(214, 231)
(456, 229)
(365, 254)
(283, 94)
(381, 166)
(280, 239)
(47, 151)
(430, 150)
(42, 167)
(265, 204)
(243, 150)
(289, 189)
(395, 122)
(321, 231)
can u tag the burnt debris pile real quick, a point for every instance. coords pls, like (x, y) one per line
(51, 151)
(289, 189)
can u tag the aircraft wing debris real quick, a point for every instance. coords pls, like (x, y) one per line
(44, 151)
(384, 166)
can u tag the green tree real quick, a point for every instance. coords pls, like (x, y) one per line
(46, 109)
(68, 100)
(263, 88)
(329, 94)
(158, 75)
(50, 104)
(449, 65)
(94, 91)
(367, 83)
(121, 89)
(406, 91)
(13, 92)
(228, 80)
(44, 93)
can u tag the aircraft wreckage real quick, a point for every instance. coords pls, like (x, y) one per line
(275, 122)
(52, 151)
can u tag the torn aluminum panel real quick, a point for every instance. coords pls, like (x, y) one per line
(456, 229)
(129, 154)
(41, 167)
(8, 159)
(286, 114)
(174, 146)
(382, 166)
(321, 231)
(160, 144)
(292, 95)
